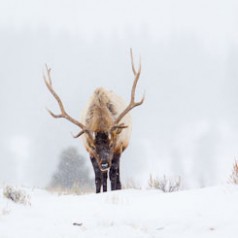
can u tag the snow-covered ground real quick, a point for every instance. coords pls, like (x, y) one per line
(208, 212)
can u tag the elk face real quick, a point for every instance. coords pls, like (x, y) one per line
(103, 145)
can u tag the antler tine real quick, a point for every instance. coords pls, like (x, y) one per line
(132, 62)
(63, 114)
(119, 126)
(132, 103)
(48, 83)
(79, 134)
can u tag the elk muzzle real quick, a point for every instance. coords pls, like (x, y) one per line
(105, 158)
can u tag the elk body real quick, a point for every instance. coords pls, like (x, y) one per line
(105, 129)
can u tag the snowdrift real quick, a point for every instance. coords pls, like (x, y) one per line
(208, 212)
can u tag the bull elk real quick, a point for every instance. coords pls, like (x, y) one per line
(105, 128)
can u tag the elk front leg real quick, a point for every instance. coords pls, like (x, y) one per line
(115, 173)
(104, 183)
(98, 175)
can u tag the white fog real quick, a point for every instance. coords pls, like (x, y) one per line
(188, 124)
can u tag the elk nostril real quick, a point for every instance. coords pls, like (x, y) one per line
(105, 165)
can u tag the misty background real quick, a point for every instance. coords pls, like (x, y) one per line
(188, 124)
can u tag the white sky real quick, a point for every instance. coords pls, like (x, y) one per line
(214, 20)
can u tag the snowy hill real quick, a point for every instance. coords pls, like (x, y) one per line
(209, 212)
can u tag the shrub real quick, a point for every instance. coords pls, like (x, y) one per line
(130, 184)
(234, 174)
(16, 195)
(165, 184)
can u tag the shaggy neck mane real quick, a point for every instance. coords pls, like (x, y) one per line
(101, 118)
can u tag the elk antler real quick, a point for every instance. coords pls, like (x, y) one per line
(64, 114)
(132, 103)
